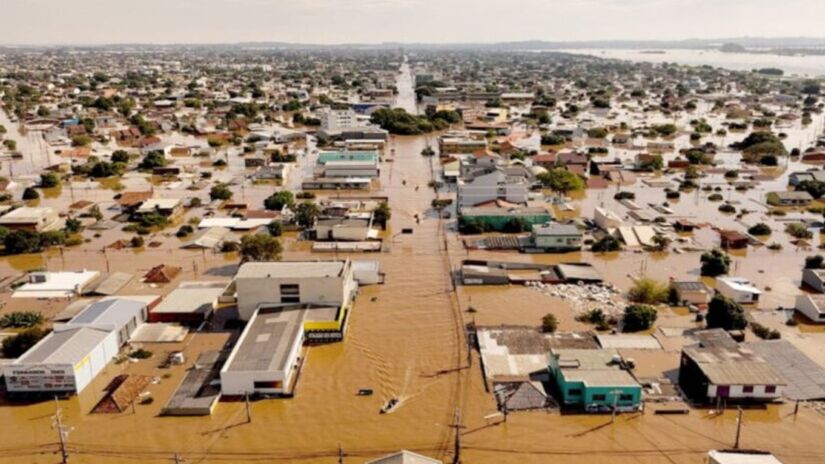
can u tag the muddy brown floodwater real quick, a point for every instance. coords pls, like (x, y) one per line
(405, 340)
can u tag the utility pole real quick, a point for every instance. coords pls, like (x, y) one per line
(248, 411)
(738, 428)
(177, 459)
(340, 454)
(457, 443)
(62, 431)
(616, 394)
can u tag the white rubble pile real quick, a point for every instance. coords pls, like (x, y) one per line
(584, 297)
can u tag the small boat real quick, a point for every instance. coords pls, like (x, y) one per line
(365, 392)
(391, 404)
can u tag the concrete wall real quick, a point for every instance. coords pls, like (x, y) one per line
(806, 306)
(737, 392)
(237, 383)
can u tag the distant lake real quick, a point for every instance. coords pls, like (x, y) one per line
(811, 66)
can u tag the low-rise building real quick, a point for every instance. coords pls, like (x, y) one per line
(498, 218)
(37, 219)
(740, 456)
(557, 237)
(811, 306)
(738, 289)
(65, 284)
(594, 380)
(692, 292)
(718, 369)
(70, 357)
(168, 207)
(814, 279)
(794, 198)
(191, 303)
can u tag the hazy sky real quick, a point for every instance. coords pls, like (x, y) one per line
(347, 21)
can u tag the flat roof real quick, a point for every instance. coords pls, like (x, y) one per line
(743, 457)
(26, 214)
(593, 367)
(191, 297)
(266, 341)
(291, 269)
(115, 312)
(582, 271)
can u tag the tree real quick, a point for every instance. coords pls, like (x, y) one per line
(382, 214)
(306, 213)
(153, 160)
(260, 247)
(714, 263)
(638, 317)
(137, 241)
(106, 169)
(516, 225)
(278, 200)
(22, 241)
(30, 194)
(73, 225)
(21, 319)
(561, 180)
(275, 229)
(81, 140)
(120, 156)
(606, 244)
(661, 242)
(815, 262)
(798, 230)
(665, 130)
(724, 313)
(814, 187)
(49, 180)
(220, 191)
(549, 323)
(760, 229)
(184, 230)
(648, 291)
(16, 346)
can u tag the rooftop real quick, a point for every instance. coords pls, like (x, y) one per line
(593, 367)
(291, 269)
(266, 341)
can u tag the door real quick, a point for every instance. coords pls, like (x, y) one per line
(722, 391)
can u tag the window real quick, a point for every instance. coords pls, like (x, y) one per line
(747, 389)
(770, 389)
(290, 293)
(599, 397)
(574, 392)
(625, 397)
(269, 384)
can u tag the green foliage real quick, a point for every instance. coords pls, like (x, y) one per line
(382, 214)
(553, 139)
(30, 194)
(81, 140)
(638, 317)
(140, 353)
(561, 180)
(814, 187)
(665, 130)
(549, 323)
(472, 226)
(184, 230)
(106, 169)
(714, 263)
(16, 346)
(26, 241)
(278, 200)
(597, 133)
(648, 291)
(759, 144)
(798, 230)
(220, 191)
(275, 229)
(606, 244)
(137, 241)
(120, 156)
(399, 121)
(153, 160)
(765, 333)
(260, 247)
(49, 180)
(73, 226)
(21, 319)
(815, 262)
(724, 313)
(516, 225)
(760, 229)
(306, 213)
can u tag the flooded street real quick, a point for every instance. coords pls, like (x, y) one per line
(406, 340)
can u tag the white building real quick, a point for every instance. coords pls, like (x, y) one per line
(741, 457)
(606, 220)
(289, 283)
(72, 355)
(738, 289)
(812, 306)
(56, 284)
(30, 218)
(493, 186)
(337, 120)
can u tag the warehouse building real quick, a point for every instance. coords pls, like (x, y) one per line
(69, 358)
(594, 380)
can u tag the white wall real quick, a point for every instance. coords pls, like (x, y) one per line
(737, 391)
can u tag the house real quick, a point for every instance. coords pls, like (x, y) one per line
(814, 279)
(719, 369)
(692, 292)
(741, 456)
(733, 240)
(293, 282)
(496, 185)
(458, 144)
(336, 183)
(365, 169)
(545, 160)
(794, 198)
(70, 357)
(35, 219)
(606, 220)
(167, 207)
(812, 306)
(130, 201)
(795, 178)
(556, 237)
(594, 380)
(45, 284)
(191, 303)
(161, 274)
(404, 457)
(738, 289)
(208, 239)
(345, 229)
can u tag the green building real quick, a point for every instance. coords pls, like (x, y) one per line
(594, 380)
(496, 217)
(326, 156)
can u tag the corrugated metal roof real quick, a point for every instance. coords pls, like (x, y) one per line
(64, 346)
